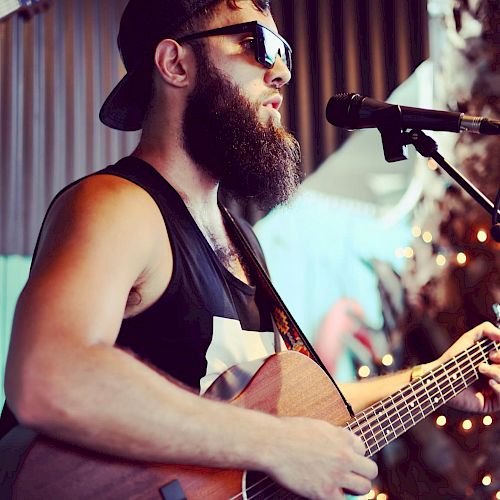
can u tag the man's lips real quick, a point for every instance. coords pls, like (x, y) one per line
(274, 101)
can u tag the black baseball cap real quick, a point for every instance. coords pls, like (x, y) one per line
(143, 25)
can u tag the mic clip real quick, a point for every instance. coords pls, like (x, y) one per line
(389, 123)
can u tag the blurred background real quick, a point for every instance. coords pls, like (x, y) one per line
(383, 265)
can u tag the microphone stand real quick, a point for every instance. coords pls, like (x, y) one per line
(395, 142)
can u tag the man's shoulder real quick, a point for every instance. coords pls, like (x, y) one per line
(103, 194)
(108, 225)
(103, 207)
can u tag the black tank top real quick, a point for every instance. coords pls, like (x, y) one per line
(207, 319)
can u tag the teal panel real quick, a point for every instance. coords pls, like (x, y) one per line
(14, 270)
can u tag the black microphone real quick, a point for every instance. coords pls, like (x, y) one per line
(354, 111)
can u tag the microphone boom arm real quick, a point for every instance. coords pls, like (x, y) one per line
(428, 148)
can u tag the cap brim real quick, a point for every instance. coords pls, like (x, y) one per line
(125, 106)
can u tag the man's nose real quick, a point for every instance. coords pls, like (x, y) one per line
(278, 75)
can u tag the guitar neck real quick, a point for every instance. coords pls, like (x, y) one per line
(386, 420)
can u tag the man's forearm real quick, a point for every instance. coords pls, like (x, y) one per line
(109, 401)
(367, 392)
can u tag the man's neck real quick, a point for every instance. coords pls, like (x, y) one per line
(197, 188)
(199, 192)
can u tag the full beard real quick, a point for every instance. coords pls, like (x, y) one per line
(223, 135)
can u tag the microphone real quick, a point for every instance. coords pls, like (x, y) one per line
(354, 111)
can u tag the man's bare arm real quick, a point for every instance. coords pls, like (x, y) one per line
(66, 378)
(367, 392)
(364, 393)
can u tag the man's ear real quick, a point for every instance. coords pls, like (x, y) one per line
(175, 64)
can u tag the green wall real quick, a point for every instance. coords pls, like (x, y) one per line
(14, 271)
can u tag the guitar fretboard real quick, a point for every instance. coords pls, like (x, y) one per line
(386, 420)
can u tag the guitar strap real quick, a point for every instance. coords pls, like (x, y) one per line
(290, 332)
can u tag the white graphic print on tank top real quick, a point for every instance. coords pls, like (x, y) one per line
(231, 345)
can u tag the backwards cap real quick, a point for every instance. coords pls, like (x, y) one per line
(143, 25)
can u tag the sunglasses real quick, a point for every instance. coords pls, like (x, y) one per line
(267, 47)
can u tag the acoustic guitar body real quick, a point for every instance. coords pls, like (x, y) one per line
(285, 384)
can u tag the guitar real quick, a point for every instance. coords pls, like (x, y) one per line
(8, 7)
(286, 383)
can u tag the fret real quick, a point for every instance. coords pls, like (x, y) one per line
(399, 416)
(442, 399)
(388, 418)
(465, 384)
(454, 380)
(450, 380)
(381, 430)
(424, 381)
(415, 400)
(372, 433)
(360, 428)
(406, 411)
(408, 407)
(472, 364)
(483, 352)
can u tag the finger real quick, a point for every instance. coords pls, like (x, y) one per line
(495, 386)
(338, 495)
(365, 467)
(493, 372)
(356, 485)
(495, 356)
(357, 445)
(486, 329)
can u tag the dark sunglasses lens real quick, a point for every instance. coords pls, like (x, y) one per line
(275, 47)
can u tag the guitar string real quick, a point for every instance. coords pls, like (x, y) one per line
(421, 391)
(371, 415)
(271, 483)
(399, 403)
(417, 388)
(404, 407)
(276, 487)
(395, 433)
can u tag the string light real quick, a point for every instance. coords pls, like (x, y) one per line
(427, 236)
(482, 236)
(487, 420)
(408, 252)
(461, 258)
(498, 495)
(370, 495)
(467, 425)
(441, 421)
(416, 231)
(486, 480)
(382, 496)
(440, 260)
(364, 371)
(387, 360)
(432, 164)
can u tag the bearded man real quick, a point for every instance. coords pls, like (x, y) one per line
(135, 273)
